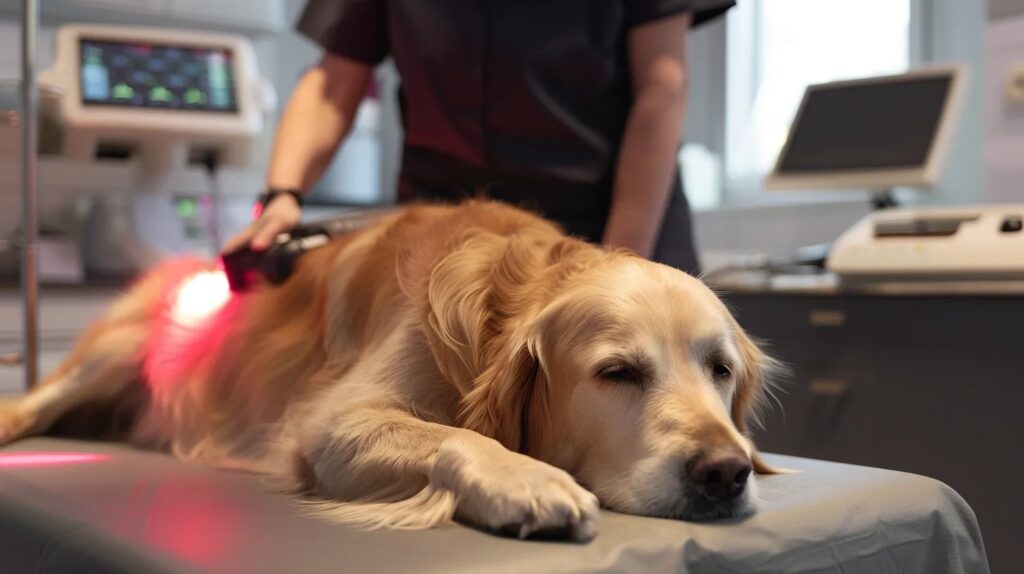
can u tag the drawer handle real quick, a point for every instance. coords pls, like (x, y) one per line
(827, 318)
(829, 388)
(830, 398)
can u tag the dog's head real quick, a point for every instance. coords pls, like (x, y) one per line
(632, 376)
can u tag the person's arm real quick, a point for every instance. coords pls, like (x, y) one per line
(319, 115)
(647, 158)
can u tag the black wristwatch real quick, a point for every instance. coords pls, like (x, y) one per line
(270, 193)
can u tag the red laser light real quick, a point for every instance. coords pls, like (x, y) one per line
(200, 296)
(38, 459)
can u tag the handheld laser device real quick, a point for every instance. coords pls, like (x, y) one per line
(246, 267)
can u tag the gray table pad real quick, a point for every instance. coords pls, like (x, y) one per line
(125, 510)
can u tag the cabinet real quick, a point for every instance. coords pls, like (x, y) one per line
(932, 385)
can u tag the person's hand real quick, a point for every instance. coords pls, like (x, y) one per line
(280, 215)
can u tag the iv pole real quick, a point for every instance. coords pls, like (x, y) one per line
(29, 160)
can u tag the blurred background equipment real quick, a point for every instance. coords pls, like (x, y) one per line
(164, 96)
(127, 113)
(878, 134)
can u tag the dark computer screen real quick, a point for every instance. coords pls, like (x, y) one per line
(142, 75)
(887, 125)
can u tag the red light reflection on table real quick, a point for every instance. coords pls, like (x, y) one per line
(39, 459)
(192, 518)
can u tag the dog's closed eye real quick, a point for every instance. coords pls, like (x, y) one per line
(625, 373)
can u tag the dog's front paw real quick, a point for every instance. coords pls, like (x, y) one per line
(523, 496)
(13, 425)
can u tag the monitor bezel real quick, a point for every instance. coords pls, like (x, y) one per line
(875, 179)
(155, 123)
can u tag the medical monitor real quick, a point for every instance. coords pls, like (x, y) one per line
(871, 133)
(156, 87)
(163, 96)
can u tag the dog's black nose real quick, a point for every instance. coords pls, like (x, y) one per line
(722, 476)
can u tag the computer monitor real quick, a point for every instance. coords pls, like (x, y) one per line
(871, 133)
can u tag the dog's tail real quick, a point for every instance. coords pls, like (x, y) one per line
(427, 508)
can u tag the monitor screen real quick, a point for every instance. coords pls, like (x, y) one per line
(153, 76)
(887, 124)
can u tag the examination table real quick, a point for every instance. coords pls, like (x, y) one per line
(83, 507)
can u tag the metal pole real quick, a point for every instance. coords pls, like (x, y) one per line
(29, 149)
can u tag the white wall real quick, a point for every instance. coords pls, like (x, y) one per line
(244, 16)
(779, 229)
(1004, 120)
(952, 31)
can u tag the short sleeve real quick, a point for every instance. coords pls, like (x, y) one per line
(643, 11)
(356, 29)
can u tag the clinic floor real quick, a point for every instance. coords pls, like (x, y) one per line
(64, 313)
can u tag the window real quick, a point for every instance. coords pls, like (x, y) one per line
(775, 48)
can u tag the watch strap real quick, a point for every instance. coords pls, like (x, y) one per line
(270, 193)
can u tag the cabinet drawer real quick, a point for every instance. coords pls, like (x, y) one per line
(823, 411)
(811, 320)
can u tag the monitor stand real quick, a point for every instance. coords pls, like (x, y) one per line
(883, 199)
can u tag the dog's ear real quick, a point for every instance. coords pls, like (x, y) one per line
(479, 322)
(756, 379)
(501, 393)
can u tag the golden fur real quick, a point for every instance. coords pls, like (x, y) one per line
(440, 364)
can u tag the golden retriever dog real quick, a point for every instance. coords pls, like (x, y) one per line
(448, 362)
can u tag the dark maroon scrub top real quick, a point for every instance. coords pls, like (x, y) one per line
(520, 100)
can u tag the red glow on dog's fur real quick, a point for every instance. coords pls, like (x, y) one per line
(38, 459)
(195, 319)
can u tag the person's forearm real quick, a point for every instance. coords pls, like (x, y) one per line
(318, 116)
(646, 166)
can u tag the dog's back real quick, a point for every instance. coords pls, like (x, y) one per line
(218, 389)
